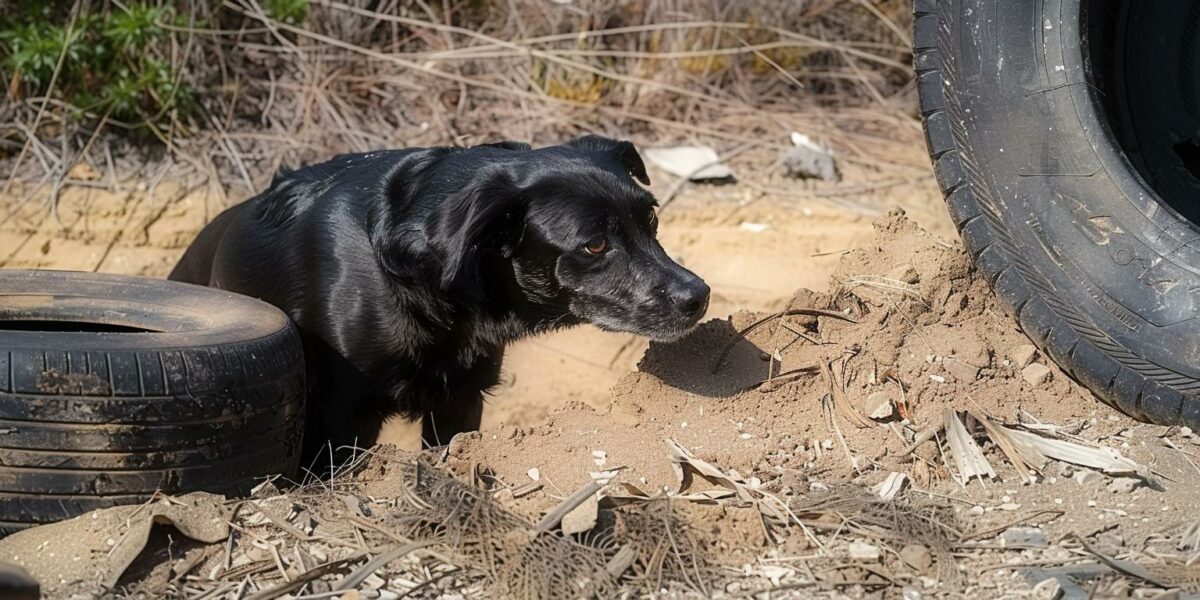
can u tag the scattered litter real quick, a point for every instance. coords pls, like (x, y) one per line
(1023, 537)
(695, 163)
(774, 512)
(808, 160)
(967, 455)
(534, 474)
(1048, 589)
(891, 486)
(755, 227)
(526, 489)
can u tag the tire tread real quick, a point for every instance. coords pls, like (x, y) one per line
(1134, 385)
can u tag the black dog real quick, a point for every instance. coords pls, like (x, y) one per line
(408, 271)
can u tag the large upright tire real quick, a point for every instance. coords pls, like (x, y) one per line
(113, 388)
(1059, 134)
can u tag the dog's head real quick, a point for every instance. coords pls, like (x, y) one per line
(572, 233)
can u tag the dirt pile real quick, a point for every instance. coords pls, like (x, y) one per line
(895, 413)
(915, 333)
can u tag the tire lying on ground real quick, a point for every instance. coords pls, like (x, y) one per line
(1064, 137)
(112, 388)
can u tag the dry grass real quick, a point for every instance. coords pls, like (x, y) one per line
(363, 74)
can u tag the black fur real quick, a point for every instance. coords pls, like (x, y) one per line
(408, 271)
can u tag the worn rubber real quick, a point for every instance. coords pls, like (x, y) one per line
(209, 396)
(1098, 273)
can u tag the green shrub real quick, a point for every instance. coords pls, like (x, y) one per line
(287, 11)
(114, 62)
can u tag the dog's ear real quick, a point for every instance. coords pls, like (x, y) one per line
(485, 216)
(620, 150)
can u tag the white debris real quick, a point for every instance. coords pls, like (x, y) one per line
(863, 551)
(891, 486)
(808, 159)
(696, 163)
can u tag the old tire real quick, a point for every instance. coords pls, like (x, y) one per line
(1073, 182)
(112, 388)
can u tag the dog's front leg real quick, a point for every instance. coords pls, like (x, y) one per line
(457, 416)
(461, 409)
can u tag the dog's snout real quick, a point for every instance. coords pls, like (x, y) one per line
(691, 297)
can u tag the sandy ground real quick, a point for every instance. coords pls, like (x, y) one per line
(775, 434)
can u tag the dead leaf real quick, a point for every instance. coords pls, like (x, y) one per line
(966, 453)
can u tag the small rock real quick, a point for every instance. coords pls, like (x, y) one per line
(256, 554)
(1084, 477)
(1048, 589)
(1022, 355)
(1124, 485)
(910, 593)
(1036, 374)
(917, 557)
(879, 406)
(976, 511)
(962, 370)
(863, 551)
(905, 273)
(1023, 537)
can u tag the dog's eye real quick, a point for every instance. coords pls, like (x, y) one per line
(596, 245)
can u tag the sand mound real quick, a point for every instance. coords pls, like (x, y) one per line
(920, 334)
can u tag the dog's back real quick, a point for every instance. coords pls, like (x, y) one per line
(197, 262)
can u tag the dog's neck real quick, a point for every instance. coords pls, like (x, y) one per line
(475, 327)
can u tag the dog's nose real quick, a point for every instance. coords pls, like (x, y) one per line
(691, 297)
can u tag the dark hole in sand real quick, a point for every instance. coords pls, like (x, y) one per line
(687, 364)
